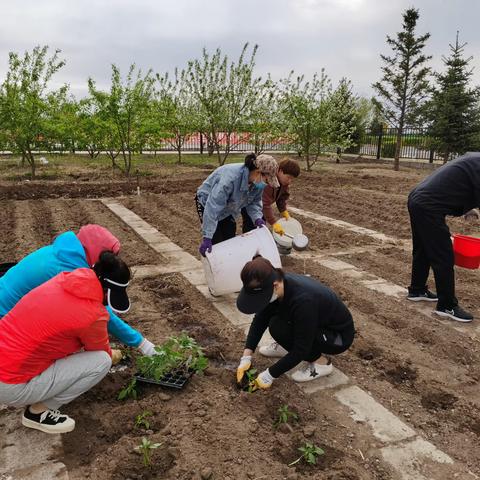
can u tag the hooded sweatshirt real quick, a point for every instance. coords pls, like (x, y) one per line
(54, 320)
(65, 254)
(95, 239)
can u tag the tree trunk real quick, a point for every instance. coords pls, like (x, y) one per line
(398, 148)
(31, 161)
(445, 156)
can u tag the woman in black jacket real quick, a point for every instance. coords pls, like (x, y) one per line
(305, 318)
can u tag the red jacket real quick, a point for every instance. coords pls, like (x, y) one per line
(52, 321)
(274, 195)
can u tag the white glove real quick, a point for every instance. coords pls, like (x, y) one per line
(244, 366)
(264, 379)
(147, 348)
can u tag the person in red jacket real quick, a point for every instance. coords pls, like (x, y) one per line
(288, 171)
(54, 342)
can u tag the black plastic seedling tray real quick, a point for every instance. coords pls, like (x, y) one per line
(175, 379)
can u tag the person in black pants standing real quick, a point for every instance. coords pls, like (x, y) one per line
(305, 317)
(453, 189)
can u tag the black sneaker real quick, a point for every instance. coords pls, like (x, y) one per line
(456, 313)
(49, 421)
(426, 296)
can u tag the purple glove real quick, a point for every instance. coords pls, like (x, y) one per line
(260, 222)
(205, 246)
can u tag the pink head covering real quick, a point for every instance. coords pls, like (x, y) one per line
(95, 239)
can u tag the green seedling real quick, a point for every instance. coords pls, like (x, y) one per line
(284, 415)
(177, 353)
(146, 448)
(310, 452)
(251, 375)
(142, 421)
(130, 391)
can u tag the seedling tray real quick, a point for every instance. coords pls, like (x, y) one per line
(176, 379)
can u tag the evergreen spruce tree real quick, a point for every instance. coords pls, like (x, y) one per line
(403, 87)
(455, 106)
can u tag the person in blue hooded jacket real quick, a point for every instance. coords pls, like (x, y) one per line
(68, 252)
(228, 190)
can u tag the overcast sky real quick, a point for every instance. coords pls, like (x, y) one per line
(345, 37)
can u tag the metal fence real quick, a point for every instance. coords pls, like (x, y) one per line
(417, 143)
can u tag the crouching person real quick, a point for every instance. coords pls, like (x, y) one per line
(305, 318)
(54, 343)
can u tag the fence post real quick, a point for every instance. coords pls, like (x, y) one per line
(379, 143)
(201, 144)
(430, 159)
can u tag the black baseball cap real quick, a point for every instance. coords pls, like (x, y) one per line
(258, 276)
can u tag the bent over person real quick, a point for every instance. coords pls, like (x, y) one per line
(453, 189)
(288, 171)
(226, 191)
(68, 252)
(305, 318)
(54, 343)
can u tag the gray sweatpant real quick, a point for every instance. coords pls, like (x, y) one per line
(62, 382)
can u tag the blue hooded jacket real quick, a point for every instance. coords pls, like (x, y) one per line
(65, 254)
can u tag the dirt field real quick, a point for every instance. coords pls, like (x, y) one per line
(424, 371)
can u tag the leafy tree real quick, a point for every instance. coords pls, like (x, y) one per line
(266, 124)
(226, 93)
(304, 106)
(454, 105)
(176, 110)
(125, 107)
(404, 87)
(24, 107)
(342, 116)
(62, 129)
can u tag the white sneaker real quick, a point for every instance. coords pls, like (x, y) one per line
(274, 350)
(311, 371)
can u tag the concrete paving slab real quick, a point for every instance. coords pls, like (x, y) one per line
(162, 247)
(335, 379)
(195, 276)
(229, 310)
(20, 449)
(50, 471)
(340, 223)
(364, 408)
(409, 459)
(389, 289)
(335, 264)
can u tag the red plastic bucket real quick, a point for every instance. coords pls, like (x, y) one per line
(467, 251)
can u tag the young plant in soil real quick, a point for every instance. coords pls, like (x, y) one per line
(146, 448)
(310, 452)
(130, 391)
(176, 354)
(142, 421)
(251, 375)
(284, 416)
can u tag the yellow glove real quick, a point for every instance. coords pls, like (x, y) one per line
(285, 215)
(244, 366)
(264, 380)
(116, 356)
(277, 228)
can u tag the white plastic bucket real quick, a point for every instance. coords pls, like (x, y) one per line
(292, 227)
(223, 266)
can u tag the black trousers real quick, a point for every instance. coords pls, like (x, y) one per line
(226, 228)
(248, 224)
(432, 247)
(329, 342)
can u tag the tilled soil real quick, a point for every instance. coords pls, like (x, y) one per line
(422, 370)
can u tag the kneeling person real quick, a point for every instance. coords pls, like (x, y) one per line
(305, 318)
(54, 342)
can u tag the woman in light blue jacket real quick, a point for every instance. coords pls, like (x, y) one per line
(68, 252)
(226, 191)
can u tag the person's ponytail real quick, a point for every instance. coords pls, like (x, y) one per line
(250, 161)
